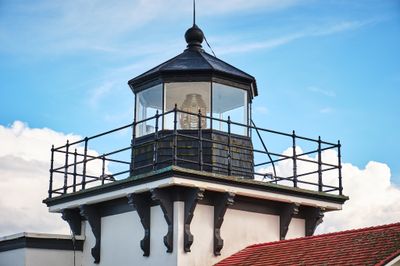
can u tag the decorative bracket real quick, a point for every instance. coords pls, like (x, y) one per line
(287, 213)
(74, 219)
(192, 196)
(141, 202)
(313, 218)
(92, 215)
(163, 197)
(221, 203)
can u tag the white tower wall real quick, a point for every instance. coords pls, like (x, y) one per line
(121, 235)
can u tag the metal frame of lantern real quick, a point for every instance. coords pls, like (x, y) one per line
(195, 65)
(192, 77)
(212, 84)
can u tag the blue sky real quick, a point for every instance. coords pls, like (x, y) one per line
(329, 68)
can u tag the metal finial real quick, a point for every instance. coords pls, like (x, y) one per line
(194, 12)
(194, 36)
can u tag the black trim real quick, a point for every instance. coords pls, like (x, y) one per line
(192, 196)
(286, 215)
(40, 243)
(194, 76)
(163, 106)
(313, 217)
(182, 78)
(114, 207)
(198, 176)
(146, 85)
(233, 83)
(142, 204)
(211, 104)
(163, 197)
(74, 220)
(221, 203)
(92, 215)
(190, 65)
(242, 203)
(249, 204)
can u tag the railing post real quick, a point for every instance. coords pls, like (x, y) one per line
(229, 147)
(294, 159)
(51, 172)
(66, 167)
(84, 163)
(340, 168)
(155, 145)
(132, 165)
(320, 185)
(200, 135)
(103, 167)
(175, 137)
(74, 181)
(249, 119)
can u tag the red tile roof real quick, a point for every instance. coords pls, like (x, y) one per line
(367, 246)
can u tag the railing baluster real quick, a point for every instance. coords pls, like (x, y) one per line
(250, 121)
(74, 181)
(66, 167)
(155, 144)
(132, 165)
(294, 159)
(200, 135)
(51, 172)
(229, 147)
(320, 185)
(340, 168)
(103, 167)
(84, 163)
(175, 137)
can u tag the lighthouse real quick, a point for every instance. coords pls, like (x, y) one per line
(197, 182)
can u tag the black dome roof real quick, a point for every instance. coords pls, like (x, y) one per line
(192, 62)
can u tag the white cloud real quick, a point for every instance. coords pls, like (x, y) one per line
(321, 30)
(98, 93)
(329, 93)
(23, 186)
(326, 110)
(374, 200)
(240, 47)
(24, 178)
(211, 7)
(30, 143)
(340, 27)
(261, 110)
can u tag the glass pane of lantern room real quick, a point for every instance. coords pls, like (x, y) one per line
(147, 103)
(189, 97)
(232, 102)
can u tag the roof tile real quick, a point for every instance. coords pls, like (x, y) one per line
(367, 246)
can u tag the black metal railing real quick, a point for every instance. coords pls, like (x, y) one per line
(76, 166)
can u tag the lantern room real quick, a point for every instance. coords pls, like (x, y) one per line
(194, 81)
(196, 107)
